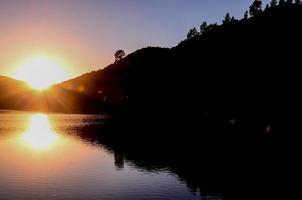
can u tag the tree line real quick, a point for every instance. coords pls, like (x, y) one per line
(254, 10)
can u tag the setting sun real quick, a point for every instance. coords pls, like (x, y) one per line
(40, 72)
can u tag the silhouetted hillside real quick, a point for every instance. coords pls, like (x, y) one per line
(8, 84)
(215, 97)
(139, 78)
(10, 90)
(246, 64)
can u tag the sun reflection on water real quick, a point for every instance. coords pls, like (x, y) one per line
(39, 134)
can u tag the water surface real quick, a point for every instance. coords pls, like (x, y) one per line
(44, 157)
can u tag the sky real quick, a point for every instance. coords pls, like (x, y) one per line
(84, 34)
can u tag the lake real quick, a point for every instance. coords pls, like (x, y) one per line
(46, 156)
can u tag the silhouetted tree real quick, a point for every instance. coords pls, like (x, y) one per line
(289, 2)
(212, 26)
(297, 1)
(281, 2)
(203, 27)
(233, 19)
(227, 18)
(266, 7)
(195, 32)
(256, 8)
(119, 55)
(192, 33)
(274, 3)
(246, 15)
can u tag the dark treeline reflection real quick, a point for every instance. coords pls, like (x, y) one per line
(205, 109)
(213, 156)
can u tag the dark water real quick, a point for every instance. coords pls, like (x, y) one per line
(46, 157)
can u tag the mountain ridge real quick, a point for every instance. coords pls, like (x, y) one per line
(230, 66)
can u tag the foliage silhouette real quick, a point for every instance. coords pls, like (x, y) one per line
(282, 2)
(256, 8)
(217, 95)
(207, 71)
(203, 27)
(274, 3)
(119, 55)
(192, 33)
(289, 2)
(227, 18)
(246, 15)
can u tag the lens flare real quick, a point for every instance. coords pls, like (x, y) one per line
(40, 72)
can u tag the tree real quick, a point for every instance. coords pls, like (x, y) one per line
(266, 7)
(281, 2)
(212, 26)
(195, 32)
(233, 19)
(119, 55)
(192, 33)
(203, 27)
(246, 15)
(256, 8)
(274, 3)
(297, 1)
(227, 18)
(289, 2)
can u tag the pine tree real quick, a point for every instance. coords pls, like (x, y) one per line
(192, 33)
(281, 2)
(246, 15)
(289, 2)
(256, 8)
(212, 26)
(274, 3)
(189, 35)
(195, 32)
(203, 27)
(227, 18)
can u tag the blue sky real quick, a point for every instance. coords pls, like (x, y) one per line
(88, 32)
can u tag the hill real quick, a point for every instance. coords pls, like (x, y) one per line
(10, 90)
(207, 108)
(249, 64)
(243, 64)
(17, 95)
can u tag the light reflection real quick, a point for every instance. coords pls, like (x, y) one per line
(40, 134)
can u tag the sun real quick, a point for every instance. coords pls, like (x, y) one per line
(40, 72)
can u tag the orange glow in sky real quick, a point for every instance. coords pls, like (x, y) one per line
(86, 34)
(41, 72)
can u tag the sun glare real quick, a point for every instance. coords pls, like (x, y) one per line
(40, 72)
(40, 134)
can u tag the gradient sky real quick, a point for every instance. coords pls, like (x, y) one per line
(86, 33)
